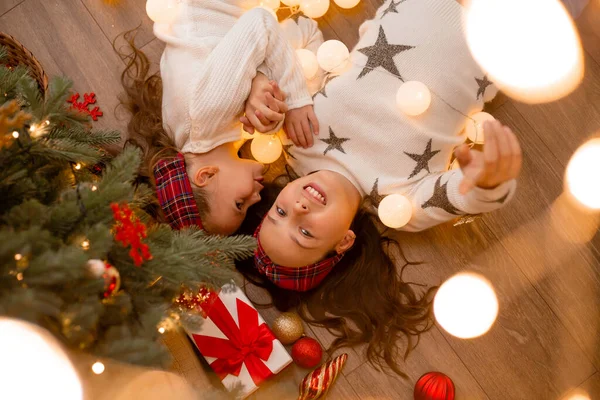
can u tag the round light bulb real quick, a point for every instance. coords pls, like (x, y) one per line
(85, 244)
(581, 176)
(77, 166)
(314, 8)
(466, 305)
(537, 59)
(395, 211)
(31, 354)
(98, 368)
(474, 129)
(291, 3)
(94, 188)
(162, 11)
(15, 134)
(413, 98)
(161, 330)
(269, 4)
(346, 3)
(333, 56)
(266, 148)
(309, 62)
(96, 268)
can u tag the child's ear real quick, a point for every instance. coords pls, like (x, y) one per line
(346, 243)
(204, 175)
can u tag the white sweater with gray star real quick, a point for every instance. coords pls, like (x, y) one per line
(379, 149)
(213, 50)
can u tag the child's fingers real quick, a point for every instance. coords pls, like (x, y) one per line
(247, 125)
(272, 102)
(299, 134)
(256, 123)
(463, 155)
(469, 181)
(279, 95)
(292, 133)
(271, 115)
(490, 149)
(307, 132)
(314, 122)
(504, 152)
(262, 118)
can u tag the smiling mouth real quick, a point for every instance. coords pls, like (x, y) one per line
(316, 192)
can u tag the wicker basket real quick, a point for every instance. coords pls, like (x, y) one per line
(19, 55)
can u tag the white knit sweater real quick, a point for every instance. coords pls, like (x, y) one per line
(379, 149)
(213, 51)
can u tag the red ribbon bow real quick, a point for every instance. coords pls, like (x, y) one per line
(249, 344)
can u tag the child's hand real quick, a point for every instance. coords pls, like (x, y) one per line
(298, 123)
(265, 106)
(500, 161)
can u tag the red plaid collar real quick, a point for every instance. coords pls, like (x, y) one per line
(175, 194)
(298, 279)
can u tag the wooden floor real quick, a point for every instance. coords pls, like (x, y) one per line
(542, 255)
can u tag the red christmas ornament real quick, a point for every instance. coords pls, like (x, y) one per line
(307, 352)
(88, 98)
(130, 231)
(200, 301)
(434, 386)
(112, 280)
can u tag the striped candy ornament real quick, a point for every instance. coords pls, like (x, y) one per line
(316, 384)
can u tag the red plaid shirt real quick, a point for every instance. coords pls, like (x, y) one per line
(175, 194)
(298, 279)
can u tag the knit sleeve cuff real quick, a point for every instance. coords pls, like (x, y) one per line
(480, 200)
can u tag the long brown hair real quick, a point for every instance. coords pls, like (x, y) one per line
(363, 300)
(143, 101)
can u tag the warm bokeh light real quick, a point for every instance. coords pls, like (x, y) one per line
(98, 368)
(308, 59)
(162, 11)
(314, 8)
(291, 3)
(582, 174)
(413, 98)
(33, 365)
(346, 3)
(474, 129)
(466, 305)
(333, 56)
(530, 49)
(15, 134)
(270, 4)
(266, 148)
(395, 211)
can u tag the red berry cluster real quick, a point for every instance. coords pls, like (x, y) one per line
(88, 98)
(130, 231)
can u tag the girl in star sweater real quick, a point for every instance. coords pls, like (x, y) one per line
(318, 236)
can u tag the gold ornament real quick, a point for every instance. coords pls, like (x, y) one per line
(288, 328)
(317, 383)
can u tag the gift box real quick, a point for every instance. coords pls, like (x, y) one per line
(237, 343)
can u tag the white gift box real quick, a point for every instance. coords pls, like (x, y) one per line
(237, 343)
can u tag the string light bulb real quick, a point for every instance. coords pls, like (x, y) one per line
(466, 305)
(15, 134)
(474, 128)
(333, 56)
(47, 122)
(161, 330)
(78, 166)
(346, 3)
(85, 244)
(310, 66)
(537, 59)
(395, 211)
(94, 188)
(32, 128)
(98, 368)
(18, 257)
(29, 352)
(581, 179)
(162, 11)
(269, 4)
(291, 3)
(314, 8)
(413, 98)
(266, 148)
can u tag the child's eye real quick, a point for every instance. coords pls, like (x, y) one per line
(305, 232)
(239, 205)
(280, 211)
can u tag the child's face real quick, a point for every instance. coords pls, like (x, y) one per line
(310, 218)
(235, 187)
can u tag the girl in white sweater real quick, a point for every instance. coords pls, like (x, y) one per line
(213, 51)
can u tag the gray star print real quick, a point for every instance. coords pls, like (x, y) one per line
(392, 8)
(439, 199)
(422, 159)
(286, 150)
(381, 54)
(375, 196)
(483, 84)
(334, 142)
(327, 80)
